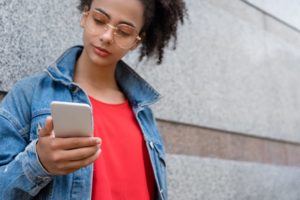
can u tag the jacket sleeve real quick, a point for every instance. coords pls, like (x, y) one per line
(21, 173)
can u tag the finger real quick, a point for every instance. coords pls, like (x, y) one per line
(48, 128)
(76, 142)
(74, 165)
(78, 154)
(49, 124)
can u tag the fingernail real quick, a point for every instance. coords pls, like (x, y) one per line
(39, 127)
(98, 141)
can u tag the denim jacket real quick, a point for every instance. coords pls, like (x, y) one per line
(28, 104)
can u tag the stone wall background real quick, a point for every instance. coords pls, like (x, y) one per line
(241, 64)
(236, 69)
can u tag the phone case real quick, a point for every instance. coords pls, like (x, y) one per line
(72, 119)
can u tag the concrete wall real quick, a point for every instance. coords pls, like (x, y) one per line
(212, 179)
(229, 113)
(33, 34)
(284, 11)
(235, 69)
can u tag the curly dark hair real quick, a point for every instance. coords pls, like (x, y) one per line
(161, 19)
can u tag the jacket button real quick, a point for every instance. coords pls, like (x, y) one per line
(151, 144)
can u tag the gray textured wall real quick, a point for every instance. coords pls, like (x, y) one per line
(211, 179)
(235, 69)
(285, 11)
(33, 34)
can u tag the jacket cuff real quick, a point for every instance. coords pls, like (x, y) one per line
(33, 168)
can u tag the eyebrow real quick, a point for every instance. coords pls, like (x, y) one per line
(109, 17)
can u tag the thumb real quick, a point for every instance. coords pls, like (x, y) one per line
(48, 128)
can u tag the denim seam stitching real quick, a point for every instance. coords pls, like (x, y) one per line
(14, 122)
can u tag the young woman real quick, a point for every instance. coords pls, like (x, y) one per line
(36, 165)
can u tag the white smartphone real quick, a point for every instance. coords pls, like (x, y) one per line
(72, 119)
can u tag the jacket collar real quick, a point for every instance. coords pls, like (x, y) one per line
(137, 90)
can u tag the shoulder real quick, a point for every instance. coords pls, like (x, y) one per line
(26, 85)
(16, 105)
(21, 93)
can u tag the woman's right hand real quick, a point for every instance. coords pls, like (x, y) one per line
(61, 156)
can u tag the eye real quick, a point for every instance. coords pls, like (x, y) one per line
(125, 31)
(99, 18)
(99, 21)
(122, 33)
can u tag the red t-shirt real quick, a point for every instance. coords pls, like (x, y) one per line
(123, 170)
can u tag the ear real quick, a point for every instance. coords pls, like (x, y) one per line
(138, 42)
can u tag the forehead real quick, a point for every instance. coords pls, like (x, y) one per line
(122, 10)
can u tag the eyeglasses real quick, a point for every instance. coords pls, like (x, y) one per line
(125, 36)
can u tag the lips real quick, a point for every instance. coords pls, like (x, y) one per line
(101, 52)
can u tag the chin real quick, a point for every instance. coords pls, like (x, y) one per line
(102, 61)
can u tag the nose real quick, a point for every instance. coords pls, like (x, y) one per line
(107, 37)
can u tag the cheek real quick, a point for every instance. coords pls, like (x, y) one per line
(120, 53)
(86, 36)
